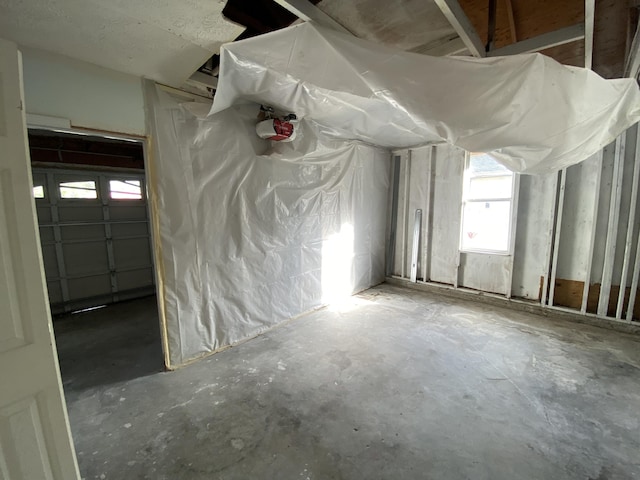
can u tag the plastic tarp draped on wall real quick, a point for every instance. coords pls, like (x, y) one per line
(532, 113)
(250, 235)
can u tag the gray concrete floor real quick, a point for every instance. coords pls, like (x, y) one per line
(404, 385)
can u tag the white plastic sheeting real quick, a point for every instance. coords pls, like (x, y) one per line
(531, 113)
(250, 236)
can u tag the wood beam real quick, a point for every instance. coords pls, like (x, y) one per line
(203, 80)
(546, 40)
(632, 63)
(307, 11)
(632, 69)
(463, 27)
(512, 21)
(589, 21)
(491, 30)
(440, 48)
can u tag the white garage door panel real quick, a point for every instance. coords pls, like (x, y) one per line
(135, 279)
(50, 261)
(132, 252)
(89, 286)
(119, 230)
(46, 235)
(128, 211)
(44, 212)
(79, 213)
(82, 232)
(85, 258)
(96, 250)
(55, 291)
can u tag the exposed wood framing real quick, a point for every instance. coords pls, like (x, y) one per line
(592, 240)
(428, 215)
(549, 250)
(393, 220)
(632, 65)
(589, 20)
(630, 229)
(491, 30)
(556, 239)
(405, 212)
(512, 22)
(204, 80)
(546, 40)
(461, 24)
(512, 234)
(305, 10)
(439, 48)
(612, 231)
(415, 249)
(634, 284)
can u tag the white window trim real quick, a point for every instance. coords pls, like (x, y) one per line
(513, 210)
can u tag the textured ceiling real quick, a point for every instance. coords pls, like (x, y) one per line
(165, 40)
(406, 24)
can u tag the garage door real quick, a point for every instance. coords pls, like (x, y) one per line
(94, 231)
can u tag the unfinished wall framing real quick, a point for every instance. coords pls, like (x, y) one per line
(576, 241)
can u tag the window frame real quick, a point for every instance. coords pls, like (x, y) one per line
(513, 209)
(124, 178)
(44, 192)
(59, 180)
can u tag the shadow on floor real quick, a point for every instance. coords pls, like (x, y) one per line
(113, 344)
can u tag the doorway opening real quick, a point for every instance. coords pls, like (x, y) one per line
(91, 202)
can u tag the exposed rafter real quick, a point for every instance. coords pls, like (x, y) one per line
(541, 42)
(632, 65)
(589, 20)
(449, 46)
(308, 12)
(512, 20)
(461, 24)
(203, 80)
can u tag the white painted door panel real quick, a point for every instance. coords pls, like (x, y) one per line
(35, 442)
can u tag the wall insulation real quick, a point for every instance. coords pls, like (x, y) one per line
(249, 235)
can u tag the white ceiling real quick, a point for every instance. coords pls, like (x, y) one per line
(166, 40)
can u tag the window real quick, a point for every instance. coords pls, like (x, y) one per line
(84, 189)
(125, 189)
(38, 191)
(486, 205)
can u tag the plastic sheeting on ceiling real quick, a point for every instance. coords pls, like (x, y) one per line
(532, 113)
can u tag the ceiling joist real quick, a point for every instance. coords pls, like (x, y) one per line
(589, 20)
(305, 10)
(448, 46)
(541, 42)
(463, 27)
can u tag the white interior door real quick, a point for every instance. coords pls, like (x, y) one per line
(35, 441)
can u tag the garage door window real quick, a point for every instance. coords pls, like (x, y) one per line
(38, 191)
(125, 189)
(487, 203)
(83, 189)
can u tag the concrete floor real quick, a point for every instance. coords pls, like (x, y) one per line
(403, 385)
